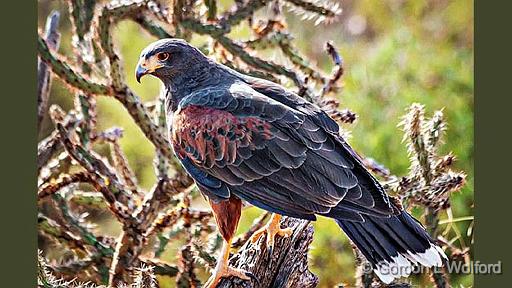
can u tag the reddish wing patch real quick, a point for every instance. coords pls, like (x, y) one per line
(208, 135)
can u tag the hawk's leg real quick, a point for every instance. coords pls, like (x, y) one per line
(272, 229)
(223, 270)
(227, 213)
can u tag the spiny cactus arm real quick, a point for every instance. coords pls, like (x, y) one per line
(151, 27)
(46, 148)
(242, 13)
(299, 61)
(431, 196)
(120, 162)
(413, 126)
(50, 185)
(170, 218)
(98, 249)
(339, 115)
(124, 95)
(51, 144)
(430, 181)
(337, 71)
(155, 201)
(161, 163)
(164, 193)
(139, 113)
(134, 236)
(105, 180)
(170, 221)
(377, 168)
(131, 102)
(422, 138)
(435, 128)
(187, 276)
(265, 39)
(104, 250)
(162, 268)
(324, 8)
(111, 136)
(166, 220)
(121, 165)
(90, 199)
(194, 25)
(257, 62)
(77, 19)
(109, 16)
(202, 256)
(67, 73)
(52, 37)
(212, 9)
(249, 70)
(45, 278)
(218, 34)
(144, 277)
(283, 40)
(72, 266)
(54, 230)
(86, 105)
(80, 21)
(64, 180)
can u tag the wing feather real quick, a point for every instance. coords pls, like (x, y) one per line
(275, 151)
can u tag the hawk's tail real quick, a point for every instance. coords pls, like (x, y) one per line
(393, 245)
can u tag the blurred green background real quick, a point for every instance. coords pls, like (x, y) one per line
(395, 52)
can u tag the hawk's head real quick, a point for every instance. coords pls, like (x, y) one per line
(168, 57)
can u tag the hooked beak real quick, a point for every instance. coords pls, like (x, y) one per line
(146, 66)
(141, 71)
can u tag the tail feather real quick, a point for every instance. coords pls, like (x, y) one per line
(393, 244)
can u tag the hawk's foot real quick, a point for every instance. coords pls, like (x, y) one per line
(222, 269)
(272, 229)
(226, 272)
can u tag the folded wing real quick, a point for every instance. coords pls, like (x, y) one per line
(283, 156)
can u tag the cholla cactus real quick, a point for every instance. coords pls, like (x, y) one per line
(69, 164)
(429, 172)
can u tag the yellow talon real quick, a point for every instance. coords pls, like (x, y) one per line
(222, 270)
(272, 229)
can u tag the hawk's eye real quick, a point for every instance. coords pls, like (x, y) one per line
(162, 56)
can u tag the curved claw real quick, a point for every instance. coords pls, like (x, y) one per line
(222, 269)
(226, 272)
(272, 229)
(253, 277)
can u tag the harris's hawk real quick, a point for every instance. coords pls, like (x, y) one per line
(245, 138)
